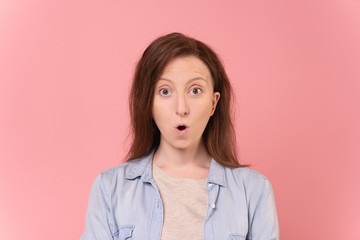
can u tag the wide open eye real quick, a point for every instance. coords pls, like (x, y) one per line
(164, 91)
(195, 91)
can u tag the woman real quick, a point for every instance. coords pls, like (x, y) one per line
(182, 179)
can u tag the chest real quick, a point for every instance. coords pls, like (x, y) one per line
(139, 212)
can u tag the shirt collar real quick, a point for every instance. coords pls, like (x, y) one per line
(216, 173)
(142, 167)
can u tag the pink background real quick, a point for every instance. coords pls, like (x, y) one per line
(65, 71)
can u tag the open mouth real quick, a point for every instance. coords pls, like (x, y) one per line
(181, 127)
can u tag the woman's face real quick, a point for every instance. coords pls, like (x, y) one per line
(184, 100)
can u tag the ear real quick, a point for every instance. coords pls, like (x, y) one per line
(215, 99)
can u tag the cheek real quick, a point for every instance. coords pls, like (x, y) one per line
(204, 107)
(159, 114)
(202, 112)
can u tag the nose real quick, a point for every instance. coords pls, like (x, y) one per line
(182, 108)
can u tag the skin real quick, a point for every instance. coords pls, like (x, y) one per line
(184, 94)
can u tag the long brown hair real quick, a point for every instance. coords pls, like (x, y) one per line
(219, 136)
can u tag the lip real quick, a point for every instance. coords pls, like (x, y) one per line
(181, 132)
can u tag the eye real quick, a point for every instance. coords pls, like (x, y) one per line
(164, 91)
(195, 91)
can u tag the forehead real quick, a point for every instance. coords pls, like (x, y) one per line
(186, 67)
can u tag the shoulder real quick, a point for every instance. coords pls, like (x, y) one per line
(118, 169)
(252, 182)
(115, 171)
(118, 174)
(246, 175)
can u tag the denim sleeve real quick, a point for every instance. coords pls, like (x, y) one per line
(264, 225)
(98, 222)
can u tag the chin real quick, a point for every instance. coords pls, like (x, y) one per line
(182, 145)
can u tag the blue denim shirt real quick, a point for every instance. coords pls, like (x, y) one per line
(125, 204)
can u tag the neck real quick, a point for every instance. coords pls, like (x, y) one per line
(169, 157)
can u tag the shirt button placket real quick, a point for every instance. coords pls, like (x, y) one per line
(213, 191)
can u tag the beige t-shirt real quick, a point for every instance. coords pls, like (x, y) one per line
(184, 202)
